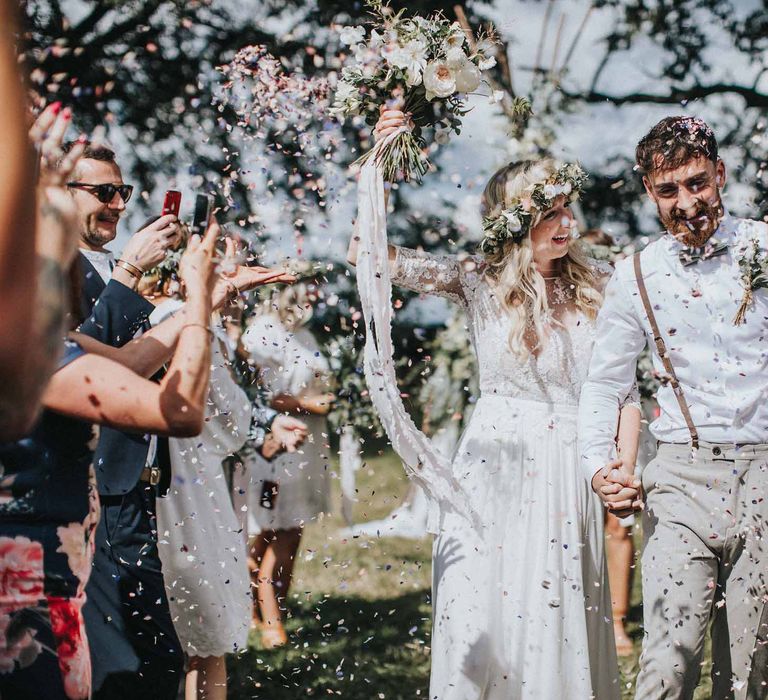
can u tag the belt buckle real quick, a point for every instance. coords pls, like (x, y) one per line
(154, 476)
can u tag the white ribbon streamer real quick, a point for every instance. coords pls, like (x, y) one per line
(421, 460)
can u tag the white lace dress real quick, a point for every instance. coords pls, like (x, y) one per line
(522, 611)
(200, 541)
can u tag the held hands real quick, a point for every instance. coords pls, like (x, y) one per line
(618, 488)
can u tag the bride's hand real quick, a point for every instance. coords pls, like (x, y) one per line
(390, 119)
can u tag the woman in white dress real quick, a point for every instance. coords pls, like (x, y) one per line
(200, 542)
(521, 605)
(293, 489)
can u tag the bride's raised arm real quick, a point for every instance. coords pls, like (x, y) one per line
(415, 270)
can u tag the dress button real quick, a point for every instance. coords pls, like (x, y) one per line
(717, 451)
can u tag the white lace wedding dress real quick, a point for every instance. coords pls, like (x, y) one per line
(521, 608)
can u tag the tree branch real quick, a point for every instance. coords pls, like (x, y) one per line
(753, 97)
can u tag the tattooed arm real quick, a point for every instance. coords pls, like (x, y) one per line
(17, 236)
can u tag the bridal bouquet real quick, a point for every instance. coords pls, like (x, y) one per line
(427, 64)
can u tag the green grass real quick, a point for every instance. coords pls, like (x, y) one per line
(359, 613)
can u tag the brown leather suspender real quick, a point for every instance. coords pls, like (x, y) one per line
(662, 350)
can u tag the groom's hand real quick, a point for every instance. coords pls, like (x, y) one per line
(618, 489)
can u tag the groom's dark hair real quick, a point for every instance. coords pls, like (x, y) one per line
(673, 142)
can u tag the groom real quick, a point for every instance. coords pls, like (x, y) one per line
(705, 522)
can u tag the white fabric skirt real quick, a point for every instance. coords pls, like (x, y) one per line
(304, 479)
(522, 609)
(204, 557)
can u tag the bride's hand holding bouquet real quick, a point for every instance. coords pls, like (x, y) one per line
(427, 65)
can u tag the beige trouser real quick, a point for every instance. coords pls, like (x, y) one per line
(705, 557)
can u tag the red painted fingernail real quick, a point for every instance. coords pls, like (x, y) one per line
(67, 113)
(56, 107)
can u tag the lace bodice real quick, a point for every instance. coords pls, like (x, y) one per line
(554, 374)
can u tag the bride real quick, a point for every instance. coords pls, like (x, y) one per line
(521, 606)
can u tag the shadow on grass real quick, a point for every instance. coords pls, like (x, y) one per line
(344, 647)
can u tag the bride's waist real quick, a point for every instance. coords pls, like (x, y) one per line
(498, 400)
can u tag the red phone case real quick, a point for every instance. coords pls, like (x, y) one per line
(172, 202)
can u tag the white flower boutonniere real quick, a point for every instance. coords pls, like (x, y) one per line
(754, 276)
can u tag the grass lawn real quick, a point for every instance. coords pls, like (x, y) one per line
(359, 613)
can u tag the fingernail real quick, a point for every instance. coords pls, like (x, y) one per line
(82, 138)
(67, 113)
(56, 107)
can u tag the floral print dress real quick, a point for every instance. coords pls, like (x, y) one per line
(48, 513)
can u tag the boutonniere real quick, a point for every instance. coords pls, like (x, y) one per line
(754, 276)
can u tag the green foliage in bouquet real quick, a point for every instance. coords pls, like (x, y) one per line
(425, 66)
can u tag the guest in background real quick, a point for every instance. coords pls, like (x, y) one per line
(201, 546)
(293, 489)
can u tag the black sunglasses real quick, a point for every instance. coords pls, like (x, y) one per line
(105, 193)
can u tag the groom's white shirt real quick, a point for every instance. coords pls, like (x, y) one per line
(722, 368)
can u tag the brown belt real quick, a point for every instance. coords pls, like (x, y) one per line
(151, 475)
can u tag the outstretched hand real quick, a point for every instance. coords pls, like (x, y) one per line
(235, 278)
(618, 488)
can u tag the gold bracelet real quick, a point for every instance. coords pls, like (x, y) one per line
(198, 325)
(137, 272)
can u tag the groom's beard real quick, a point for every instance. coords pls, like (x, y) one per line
(695, 234)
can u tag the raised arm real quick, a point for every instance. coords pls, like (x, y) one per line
(17, 239)
(35, 350)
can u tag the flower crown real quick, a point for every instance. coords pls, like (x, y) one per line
(514, 223)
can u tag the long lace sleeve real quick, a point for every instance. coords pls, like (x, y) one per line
(428, 274)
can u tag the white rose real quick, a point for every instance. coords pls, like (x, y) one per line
(438, 80)
(456, 37)
(513, 223)
(467, 77)
(351, 35)
(566, 188)
(455, 57)
(550, 191)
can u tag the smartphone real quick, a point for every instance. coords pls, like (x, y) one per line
(202, 215)
(172, 203)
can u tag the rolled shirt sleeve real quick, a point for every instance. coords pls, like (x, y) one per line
(620, 338)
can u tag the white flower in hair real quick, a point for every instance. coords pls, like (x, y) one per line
(550, 191)
(351, 35)
(513, 222)
(439, 80)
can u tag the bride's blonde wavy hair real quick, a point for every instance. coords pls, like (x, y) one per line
(511, 268)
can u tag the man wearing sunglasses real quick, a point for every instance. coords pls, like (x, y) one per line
(135, 651)
(101, 196)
